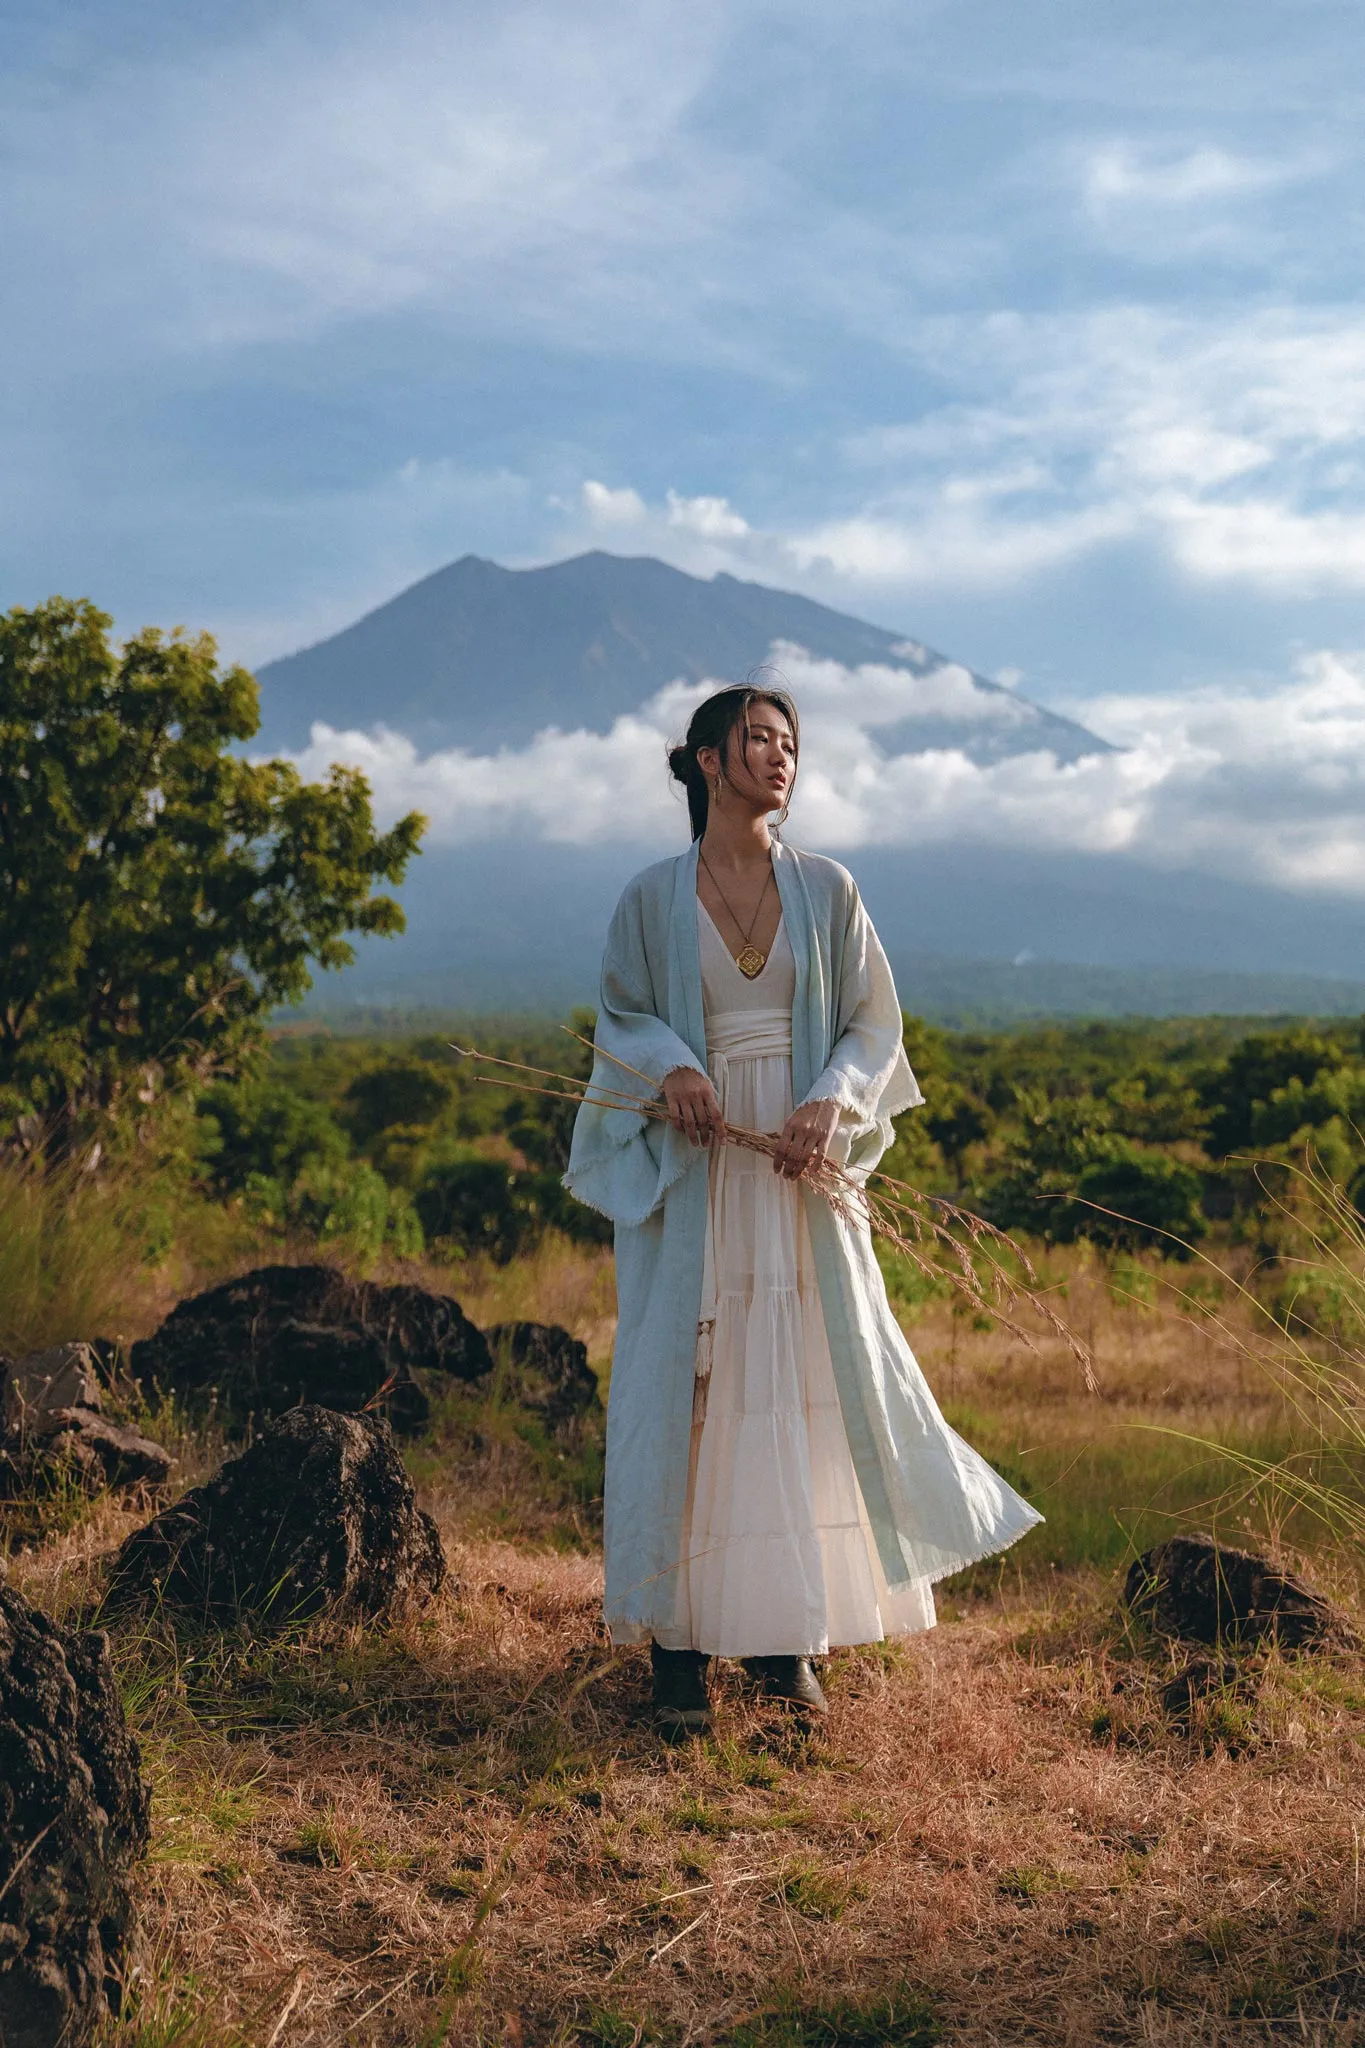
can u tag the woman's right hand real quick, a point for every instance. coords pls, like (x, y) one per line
(693, 1106)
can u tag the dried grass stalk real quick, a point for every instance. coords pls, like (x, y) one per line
(942, 1241)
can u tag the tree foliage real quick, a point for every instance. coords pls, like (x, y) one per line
(159, 893)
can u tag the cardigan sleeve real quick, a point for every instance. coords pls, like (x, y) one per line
(867, 1072)
(621, 1161)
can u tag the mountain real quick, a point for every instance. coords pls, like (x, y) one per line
(478, 656)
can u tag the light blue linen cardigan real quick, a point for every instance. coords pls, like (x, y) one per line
(934, 1504)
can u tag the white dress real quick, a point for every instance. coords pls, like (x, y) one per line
(779, 1558)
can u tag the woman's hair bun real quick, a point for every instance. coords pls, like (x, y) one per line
(681, 760)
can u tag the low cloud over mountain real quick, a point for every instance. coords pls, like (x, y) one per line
(533, 709)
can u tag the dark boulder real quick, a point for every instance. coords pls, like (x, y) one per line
(1195, 1588)
(284, 1334)
(547, 1369)
(73, 1817)
(319, 1512)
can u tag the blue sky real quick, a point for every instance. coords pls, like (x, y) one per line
(1033, 330)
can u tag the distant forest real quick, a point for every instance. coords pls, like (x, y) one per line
(1136, 1135)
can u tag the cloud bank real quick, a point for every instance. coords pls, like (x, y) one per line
(1235, 449)
(1256, 786)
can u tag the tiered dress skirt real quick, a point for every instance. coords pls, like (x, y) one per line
(779, 1557)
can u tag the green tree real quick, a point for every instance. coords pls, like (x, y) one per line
(1142, 1198)
(1253, 1073)
(264, 1128)
(1069, 1174)
(159, 894)
(395, 1091)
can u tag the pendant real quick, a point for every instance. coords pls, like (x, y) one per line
(751, 962)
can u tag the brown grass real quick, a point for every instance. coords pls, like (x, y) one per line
(463, 1830)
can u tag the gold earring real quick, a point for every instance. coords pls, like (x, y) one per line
(715, 792)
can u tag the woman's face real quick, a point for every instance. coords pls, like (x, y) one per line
(762, 762)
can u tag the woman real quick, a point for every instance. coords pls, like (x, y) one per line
(779, 1477)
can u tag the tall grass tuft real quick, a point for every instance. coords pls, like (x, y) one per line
(70, 1254)
(86, 1254)
(1303, 1329)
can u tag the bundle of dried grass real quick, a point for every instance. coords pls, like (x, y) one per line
(939, 1239)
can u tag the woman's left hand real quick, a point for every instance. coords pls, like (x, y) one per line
(805, 1138)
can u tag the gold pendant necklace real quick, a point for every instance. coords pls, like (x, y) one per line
(750, 961)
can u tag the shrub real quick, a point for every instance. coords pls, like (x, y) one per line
(265, 1130)
(1253, 1073)
(1151, 1199)
(352, 1207)
(76, 1245)
(479, 1205)
(396, 1091)
(485, 1205)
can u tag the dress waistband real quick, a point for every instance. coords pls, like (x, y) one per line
(749, 1034)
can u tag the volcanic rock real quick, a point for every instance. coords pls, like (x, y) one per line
(1192, 1587)
(285, 1334)
(101, 1452)
(547, 1367)
(1205, 1675)
(318, 1512)
(30, 1387)
(74, 1816)
(50, 1416)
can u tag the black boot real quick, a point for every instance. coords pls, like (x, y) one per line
(682, 1705)
(789, 1679)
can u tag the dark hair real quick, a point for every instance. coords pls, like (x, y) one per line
(711, 725)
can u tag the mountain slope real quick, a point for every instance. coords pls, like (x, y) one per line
(478, 656)
(498, 926)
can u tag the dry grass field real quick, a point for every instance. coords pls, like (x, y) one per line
(462, 1829)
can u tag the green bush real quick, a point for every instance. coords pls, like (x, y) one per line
(356, 1206)
(1144, 1199)
(1301, 1107)
(479, 1205)
(485, 1205)
(1264, 1064)
(350, 1206)
(406, 1091)
(1070, 1175)
(263, 1130)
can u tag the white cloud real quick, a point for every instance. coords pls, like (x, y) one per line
(1236, 448)
(573, 787)
(1121, 173)
(1268, 542)
(708, 518)
(947, 538)
(1233, 445)
(1263, 786)
(606, 507)
(877, 694)
(963, 532)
